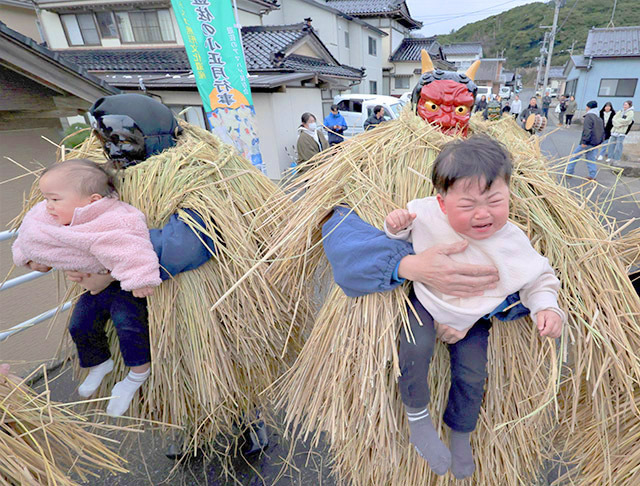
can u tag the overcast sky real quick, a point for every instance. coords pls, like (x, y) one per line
(440, 16)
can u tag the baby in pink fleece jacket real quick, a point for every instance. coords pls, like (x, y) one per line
(83, 226)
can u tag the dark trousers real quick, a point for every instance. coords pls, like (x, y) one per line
(468, 368)
(130, 318)
(545, 112)
(568, 119)
(561, 117)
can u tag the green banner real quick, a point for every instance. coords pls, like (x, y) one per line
(213, 43)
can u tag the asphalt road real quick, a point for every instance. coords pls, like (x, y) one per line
(145, 451)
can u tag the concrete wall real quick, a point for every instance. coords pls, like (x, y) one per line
(278, 120)
(589, 82)
(32, 347)
(22, 20)
(406, 68)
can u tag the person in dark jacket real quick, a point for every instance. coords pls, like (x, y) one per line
(481, 104)
(335, 124)
(606, 113)
(532, 109)
(375, 119)
(592, 136)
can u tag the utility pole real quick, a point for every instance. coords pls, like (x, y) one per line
(551, 42)
(543, 51)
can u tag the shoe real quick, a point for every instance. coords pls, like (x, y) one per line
(255, 440)
(591, 179)
(600, 157)
(608, 160)
(174, 452)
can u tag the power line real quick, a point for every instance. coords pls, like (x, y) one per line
(466, 14)
(613, 12)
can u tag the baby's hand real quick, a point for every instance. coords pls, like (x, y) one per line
(38, 267)
(143, 292)
(549, 324)
(399, 219)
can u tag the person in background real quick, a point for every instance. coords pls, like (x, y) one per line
(572, 106)
(335, 125)
(622, 122)
(516, 107)
(562, 108)
(311, 141)
(606, 113)
(546, 102)
(532, 109)
(481, 104)
(376, 118)
(592, 136)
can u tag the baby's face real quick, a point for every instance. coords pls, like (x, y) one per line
(61, 196)
(474, 213)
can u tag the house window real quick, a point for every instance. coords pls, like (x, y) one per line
(346, 39)
(191, 114)
(146, 27)
(570, 88)
(373, 87)
(373, 47)
(81, 30)
(107, 25)
(618, 87)
(401, 82)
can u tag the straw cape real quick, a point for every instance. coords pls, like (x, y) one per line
(208, 366)
(542, 400)
(42, 442)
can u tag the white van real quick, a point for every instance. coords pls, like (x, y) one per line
(483, 91)
(505, 92)
(356, 108)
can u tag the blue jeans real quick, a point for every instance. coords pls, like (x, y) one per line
(589, 156)
(129, 315)
(545, 112)
(468, 368)
(616, 143)
(604, 148)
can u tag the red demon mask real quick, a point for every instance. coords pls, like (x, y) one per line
(446, 103)
(445, 98)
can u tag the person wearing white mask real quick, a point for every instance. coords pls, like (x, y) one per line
(310, 140)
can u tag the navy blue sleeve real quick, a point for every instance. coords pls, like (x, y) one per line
(362, 258)
(180, 248)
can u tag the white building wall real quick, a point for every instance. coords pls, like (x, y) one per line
(54, 32)
(278, 117)
(407, 69)
(248, 18)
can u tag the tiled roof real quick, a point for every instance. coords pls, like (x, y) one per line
(614, 42)
(488, 70)
(464, 48)
(374, 8)
(18, 3)
(556, 72)
(410, 49)
(54, 58)
(265, 48)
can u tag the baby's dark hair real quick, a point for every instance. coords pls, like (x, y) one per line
(86, 177)
(476, 157)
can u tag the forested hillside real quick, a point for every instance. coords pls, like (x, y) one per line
(516, 35)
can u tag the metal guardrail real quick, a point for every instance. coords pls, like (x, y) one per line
(14, 282)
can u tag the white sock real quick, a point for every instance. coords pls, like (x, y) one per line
(123, 391)
(94, 378)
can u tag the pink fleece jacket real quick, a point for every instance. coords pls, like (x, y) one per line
(107, 234)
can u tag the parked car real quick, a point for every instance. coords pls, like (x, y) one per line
(483, 90)
(505, 92)
(356, 108)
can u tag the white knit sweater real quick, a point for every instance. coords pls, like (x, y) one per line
(520, 267)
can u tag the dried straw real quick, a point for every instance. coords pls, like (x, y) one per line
(208, 367)
(43, 442)
(344, 381)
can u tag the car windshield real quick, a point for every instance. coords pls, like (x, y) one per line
(397, 108)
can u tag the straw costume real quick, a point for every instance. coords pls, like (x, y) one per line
(42, 442)
(344, 383)
(199, 197)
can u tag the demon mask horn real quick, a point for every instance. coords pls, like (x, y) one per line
(473, 69)
(427, 63)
